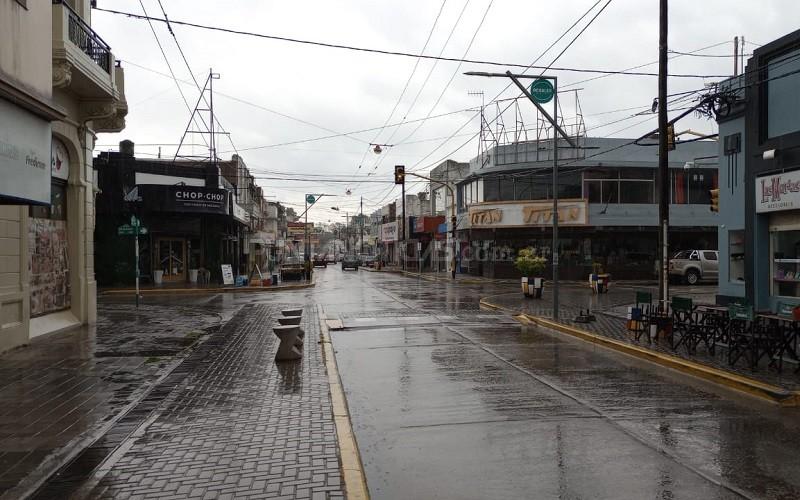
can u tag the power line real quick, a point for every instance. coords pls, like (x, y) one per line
(166, 60)
(396, 53)
(405, 87)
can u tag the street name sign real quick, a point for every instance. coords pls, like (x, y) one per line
(542, 90)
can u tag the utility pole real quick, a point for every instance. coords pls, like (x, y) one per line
(663, 166)
(735, 56)
(405, 250)
(362, 224)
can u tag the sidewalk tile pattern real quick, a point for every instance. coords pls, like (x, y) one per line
(65, 386)
(239, 425)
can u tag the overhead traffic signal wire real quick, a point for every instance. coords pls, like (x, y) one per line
(395, 53)
(530, 66)
(405, 87)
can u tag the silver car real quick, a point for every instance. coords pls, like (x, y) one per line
(694, 265)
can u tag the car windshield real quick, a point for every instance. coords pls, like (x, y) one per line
(682, 255)
(292, 260)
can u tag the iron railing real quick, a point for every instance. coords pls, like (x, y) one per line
(83, 36)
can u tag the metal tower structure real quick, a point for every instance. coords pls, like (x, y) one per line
(201, 122)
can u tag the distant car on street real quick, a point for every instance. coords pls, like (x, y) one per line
(330, 258)
(695, 265)
(320, 261)
(368, 260)
(292, 267)
(350, 262)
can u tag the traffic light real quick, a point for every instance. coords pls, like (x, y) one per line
(399, 174)
(714, 193)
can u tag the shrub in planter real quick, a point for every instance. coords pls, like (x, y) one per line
(531, 266)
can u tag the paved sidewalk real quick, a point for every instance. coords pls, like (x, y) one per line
(232, 423)
(610, 310)
(60, 392)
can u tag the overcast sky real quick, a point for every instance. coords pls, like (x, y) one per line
(272, 92)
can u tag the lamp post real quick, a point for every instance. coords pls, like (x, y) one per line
(543, 95)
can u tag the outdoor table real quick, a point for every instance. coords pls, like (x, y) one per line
(782, 338)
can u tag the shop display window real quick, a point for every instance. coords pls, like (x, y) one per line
(785, 263)
(736, 256)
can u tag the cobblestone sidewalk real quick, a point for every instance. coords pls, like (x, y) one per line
(235, 424)
(610, 323)
(59, 392)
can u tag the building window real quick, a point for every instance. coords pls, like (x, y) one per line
(736, 256)
(692, 186)
(785, 263)
(783, 100)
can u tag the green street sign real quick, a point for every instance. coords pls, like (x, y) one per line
(135, 222)
(128, 230)
(310, 199)
(542, 90)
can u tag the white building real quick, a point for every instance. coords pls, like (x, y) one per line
(59, 86)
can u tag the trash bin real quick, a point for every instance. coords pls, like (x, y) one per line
(158, 277)
(192, 275)
(274, 279)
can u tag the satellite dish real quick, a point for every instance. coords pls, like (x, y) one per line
(378, 150)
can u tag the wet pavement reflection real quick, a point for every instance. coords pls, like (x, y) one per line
(448, 401)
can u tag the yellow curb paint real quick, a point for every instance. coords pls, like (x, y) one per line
(734, 381)
(355, 481)
(169, 291)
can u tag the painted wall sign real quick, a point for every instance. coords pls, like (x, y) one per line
(24, 155)
(59, 160)
(530, 214)
(778, 192)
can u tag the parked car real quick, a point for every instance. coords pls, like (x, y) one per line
(292, 267)
(695, 265)
(320, 261)
(350, 262)
(330, 258)
(368, 260)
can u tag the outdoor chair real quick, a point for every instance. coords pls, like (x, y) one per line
(691, 327)
(641, 315)
(743, 333)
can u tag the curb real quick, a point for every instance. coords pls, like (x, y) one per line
(181, 291)
(751, 387)
(464, 281)
(355, 480)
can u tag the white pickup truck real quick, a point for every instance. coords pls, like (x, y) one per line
(694, 265)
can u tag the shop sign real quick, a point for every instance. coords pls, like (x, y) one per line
(389, 232)
(778, 192)
(239, 213)
(59, 160)
(297, 230)
(24, 151)
(530, 214)
(184, 199)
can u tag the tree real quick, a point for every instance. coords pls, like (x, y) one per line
(291, 215)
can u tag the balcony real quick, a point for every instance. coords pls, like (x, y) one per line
(82, 61)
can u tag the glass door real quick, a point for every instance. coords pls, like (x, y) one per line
(172, 259)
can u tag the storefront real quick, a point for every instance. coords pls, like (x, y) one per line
(496, 232)
(777, 198)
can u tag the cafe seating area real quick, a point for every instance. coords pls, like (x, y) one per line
(743, 336)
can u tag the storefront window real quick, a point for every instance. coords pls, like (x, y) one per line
(785, 263)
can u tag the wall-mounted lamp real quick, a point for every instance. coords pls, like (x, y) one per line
(769, 154)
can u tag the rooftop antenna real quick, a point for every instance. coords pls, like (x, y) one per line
(205, 115)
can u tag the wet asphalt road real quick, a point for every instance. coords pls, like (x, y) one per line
(448, 401)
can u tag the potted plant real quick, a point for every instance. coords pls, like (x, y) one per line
(531, 266)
